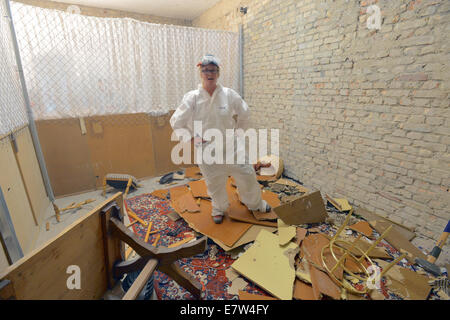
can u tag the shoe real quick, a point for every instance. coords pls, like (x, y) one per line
(265, 207)
(217, 219)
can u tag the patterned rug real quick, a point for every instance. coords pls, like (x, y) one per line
(208, 268)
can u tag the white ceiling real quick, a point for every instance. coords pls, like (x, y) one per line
(180, 9)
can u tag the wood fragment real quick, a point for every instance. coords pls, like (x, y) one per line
(156, 240)
(148, 231)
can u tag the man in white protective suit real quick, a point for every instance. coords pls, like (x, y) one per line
(220, 108)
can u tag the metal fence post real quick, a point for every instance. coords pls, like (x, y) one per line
(34, 135)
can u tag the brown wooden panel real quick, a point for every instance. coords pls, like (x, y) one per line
(67, 156)
(42, 273)
(120, 144)
(161, 132)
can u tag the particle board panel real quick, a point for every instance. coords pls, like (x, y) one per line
(26, 156)
(303, 291)
(249, 236)
(370, 216)
(199, 189)
(228, 232)
(120, 143)
(269, 265)
(42, 274)
(239, 212)
(309, 208)
(67, 156)
(398, 240)
(161, 133)
(16, 199)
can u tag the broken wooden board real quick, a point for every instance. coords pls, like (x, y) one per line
(370, 216)
(307, 209)
(398, 241)
(238, 211)
(285, 232)
(292, 184)
(300, 235)
(185, 203)
(341, 204)
(362, 227)
(312, 247)
(377, 252)
(269, 265)
(244, 295)
(228, 232)
(249, 236)
(408, 284)
(193, 173)
(199, 189)
(303, 291)
(323, 284)
(161, 193)
(302, 271)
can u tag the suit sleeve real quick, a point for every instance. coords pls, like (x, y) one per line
(182, 118)
(241, 109)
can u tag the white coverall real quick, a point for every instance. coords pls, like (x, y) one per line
(217, 111)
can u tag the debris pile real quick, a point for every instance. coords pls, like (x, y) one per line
(307, 248)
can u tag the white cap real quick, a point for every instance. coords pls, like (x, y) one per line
(209, 59)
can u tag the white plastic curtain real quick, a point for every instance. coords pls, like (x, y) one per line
(77, 66)
(12, 104)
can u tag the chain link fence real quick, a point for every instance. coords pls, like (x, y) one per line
(82, 66)
(13, 114)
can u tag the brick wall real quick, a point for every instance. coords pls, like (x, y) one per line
(106, 13)
(363, 114)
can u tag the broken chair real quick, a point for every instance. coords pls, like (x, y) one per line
(94, 245)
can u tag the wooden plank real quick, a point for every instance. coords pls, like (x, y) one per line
(27, 159)
(41, 274)
(370, 216)
(397, 240)
(161, 132)
(141, 280)
(15, 196)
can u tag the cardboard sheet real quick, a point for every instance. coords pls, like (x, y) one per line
(269, 265)
(307, 209)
